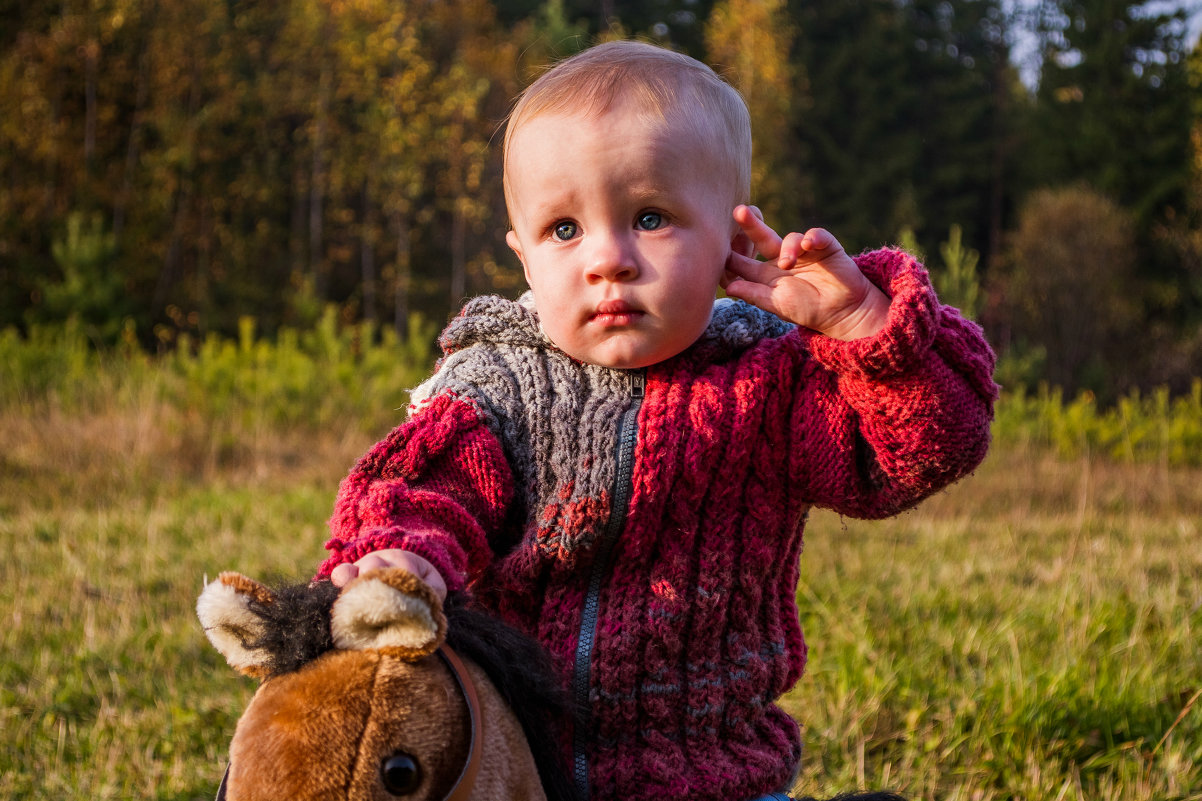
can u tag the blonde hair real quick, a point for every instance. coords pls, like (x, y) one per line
(674, 87)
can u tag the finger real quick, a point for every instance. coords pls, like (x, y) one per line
(434, 580)
(754, 270)
(415, 564)
(819, 239)
(342, 574)
(766, 241)
(791, 248)
(373, 561)
(756, 294)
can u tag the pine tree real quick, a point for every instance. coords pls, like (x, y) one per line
(1113, 105)
(906, 126)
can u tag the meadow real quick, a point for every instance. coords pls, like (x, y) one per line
(1035, 632)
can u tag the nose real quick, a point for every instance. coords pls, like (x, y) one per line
(610, 257)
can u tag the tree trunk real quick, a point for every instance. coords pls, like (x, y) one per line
(297, 250)
(400, 297)
(317, 184)
(458, 255)
(133, 146)
(91, 57)
(1001, 141)
(367, 255)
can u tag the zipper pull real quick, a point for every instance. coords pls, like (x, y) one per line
(638, 384)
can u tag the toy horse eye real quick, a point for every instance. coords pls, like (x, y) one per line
(401, 774)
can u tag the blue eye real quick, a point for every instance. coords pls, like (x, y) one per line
(565, 231)
(649, 221)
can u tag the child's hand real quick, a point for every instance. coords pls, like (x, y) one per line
(812, 282)
(392, 557)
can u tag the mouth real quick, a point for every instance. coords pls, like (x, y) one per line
(614, 313)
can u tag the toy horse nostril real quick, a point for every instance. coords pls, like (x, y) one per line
(401, 774)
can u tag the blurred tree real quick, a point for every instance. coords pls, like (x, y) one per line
(1071, 289)
(908, 125)
(679, 24)
(476, 85)
(1113, 104)
(383, 97)
(1178, 337)
(239, 152)
(63, 139)
(87, 291)
(555, 36)
(1113, 110)
(749, 42)
(957, 281)
(270, 158)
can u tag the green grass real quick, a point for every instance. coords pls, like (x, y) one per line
(108, 688)
(1032, 633)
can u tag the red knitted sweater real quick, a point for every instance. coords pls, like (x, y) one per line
(664, 584)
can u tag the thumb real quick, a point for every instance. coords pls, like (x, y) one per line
(429, 574)
(342, 574)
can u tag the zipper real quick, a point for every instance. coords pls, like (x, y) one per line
(628, 433)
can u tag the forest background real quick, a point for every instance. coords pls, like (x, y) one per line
(170, 168)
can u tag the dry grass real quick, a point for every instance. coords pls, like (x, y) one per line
(1031, 633)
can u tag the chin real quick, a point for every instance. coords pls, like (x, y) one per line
(624, 358)
(616, 361)
(630, 361)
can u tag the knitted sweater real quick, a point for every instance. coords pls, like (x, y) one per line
(652, 543)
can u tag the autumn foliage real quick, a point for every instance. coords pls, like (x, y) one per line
(175, 167)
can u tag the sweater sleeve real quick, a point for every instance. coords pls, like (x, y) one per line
(902, 413)
(438, 486)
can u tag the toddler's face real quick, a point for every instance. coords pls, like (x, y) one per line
(623, 226)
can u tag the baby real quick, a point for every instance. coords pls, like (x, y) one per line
(622, 466)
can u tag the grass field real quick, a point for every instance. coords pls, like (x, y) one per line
(1034, 633)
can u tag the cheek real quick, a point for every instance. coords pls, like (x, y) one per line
(693, 304)
(551, 301)
(548, 285)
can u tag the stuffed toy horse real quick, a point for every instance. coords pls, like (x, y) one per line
(365, 695)
(381, 692)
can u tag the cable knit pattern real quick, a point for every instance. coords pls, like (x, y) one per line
(504, 478)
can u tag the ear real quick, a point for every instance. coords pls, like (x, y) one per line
(224, 612)
(388, 609)
(511, 239)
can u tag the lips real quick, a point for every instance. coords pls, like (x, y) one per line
(615, 312)
(613, 307)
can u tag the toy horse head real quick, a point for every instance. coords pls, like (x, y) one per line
(362, 697)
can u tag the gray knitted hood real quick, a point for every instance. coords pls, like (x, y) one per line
(734, 326)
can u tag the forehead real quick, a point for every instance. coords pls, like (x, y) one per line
(638, 144)
(588, 132)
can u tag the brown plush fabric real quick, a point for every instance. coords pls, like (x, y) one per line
(508, 771)
(323, 730)
(246, 586)
(389, 610)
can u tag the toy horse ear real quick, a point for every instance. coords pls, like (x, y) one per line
(388, 609)
(224, 612)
